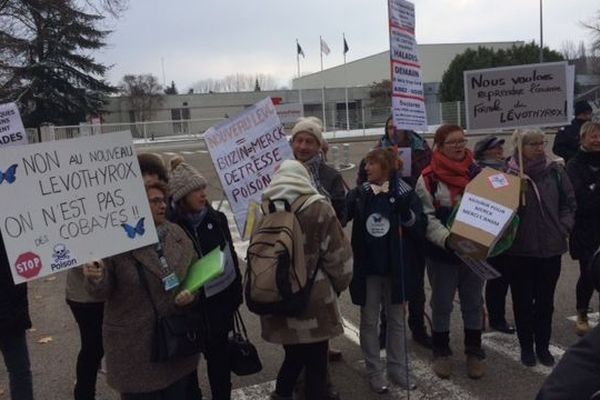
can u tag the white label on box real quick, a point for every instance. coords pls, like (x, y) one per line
(498, 181)
(484, 214)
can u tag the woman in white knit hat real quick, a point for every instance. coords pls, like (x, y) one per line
(208, 228)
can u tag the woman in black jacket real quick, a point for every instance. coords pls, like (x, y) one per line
(14, 321)
(209, 229)
(584, 173)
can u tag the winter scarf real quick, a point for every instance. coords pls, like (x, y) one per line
(313, 165)
(291, 181)
(455, 174)
(532, 168)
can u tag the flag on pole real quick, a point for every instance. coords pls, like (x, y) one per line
(324, 48)
(346, 48)
(299, 50)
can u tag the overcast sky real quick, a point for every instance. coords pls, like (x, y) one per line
(201, 39)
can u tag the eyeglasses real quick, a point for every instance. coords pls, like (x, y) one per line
(157, 201)
(536, 144)
(456, 143)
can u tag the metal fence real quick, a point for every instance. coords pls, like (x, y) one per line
(360, 118)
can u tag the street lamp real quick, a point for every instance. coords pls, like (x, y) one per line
(541, 33)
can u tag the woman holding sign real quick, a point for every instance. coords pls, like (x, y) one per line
(208, 229)
(533, 262)
(440, 187)
(136, 286)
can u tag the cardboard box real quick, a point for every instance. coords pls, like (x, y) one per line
(488, 205)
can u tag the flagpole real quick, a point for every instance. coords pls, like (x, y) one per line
(322, 85)
(346, 85)
(299, 84)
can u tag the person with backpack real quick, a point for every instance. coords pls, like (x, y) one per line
(386, 212)
(420, 158)
(14, 322)
(208, 228)
(584, 173)
(532, 264)
(316, 270)
(440, 187)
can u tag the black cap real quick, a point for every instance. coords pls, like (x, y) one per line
(487, 143)
(582, 107)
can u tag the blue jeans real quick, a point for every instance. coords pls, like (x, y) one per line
(16, 357)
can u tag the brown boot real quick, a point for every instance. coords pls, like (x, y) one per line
(475, 366)
(442, 366)
(582, 327)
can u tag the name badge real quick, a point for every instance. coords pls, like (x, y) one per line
(170, 282)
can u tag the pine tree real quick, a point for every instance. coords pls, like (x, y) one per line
(45, 62)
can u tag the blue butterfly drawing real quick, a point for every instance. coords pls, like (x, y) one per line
(9, 176)
(133, 230)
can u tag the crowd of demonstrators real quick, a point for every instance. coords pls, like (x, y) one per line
(420, 158)
(386, 213)
(310, 148)
(135, 288)
(208, 229)
(489, 152)
(566, 143)
(440, 188)
(584, 172)
(533, 262)
(305, 337)
(14, 321)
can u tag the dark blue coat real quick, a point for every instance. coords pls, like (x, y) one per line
(405, 242)
(14, 307)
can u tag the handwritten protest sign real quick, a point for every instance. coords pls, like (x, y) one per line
(71, 201)
(12, 131)
(408, 97)
(518, 96)
(246, 150)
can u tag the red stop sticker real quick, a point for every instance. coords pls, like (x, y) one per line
(28, 265)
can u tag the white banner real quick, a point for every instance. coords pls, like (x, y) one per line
(246, 150)
(12, 131)
(70, 202)
(519, 96)
(408, 97)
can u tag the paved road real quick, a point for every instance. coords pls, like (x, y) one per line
(53, 362)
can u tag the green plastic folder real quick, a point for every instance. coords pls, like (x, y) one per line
(206, 269)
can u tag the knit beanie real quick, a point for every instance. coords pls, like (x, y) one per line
(184, 179)
(310, 125)
(582, 107)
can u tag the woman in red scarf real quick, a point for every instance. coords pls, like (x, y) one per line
(440, 188)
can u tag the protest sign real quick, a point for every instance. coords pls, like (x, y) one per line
(246, 150)
(289, 112)
(408, 97)
(485, 212)
(405, 154)
(518, 96)
(73, 201)
(12, 131)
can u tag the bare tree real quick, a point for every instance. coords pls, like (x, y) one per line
(238, 82)
(144, 95)
(568, 50)
(594, 28)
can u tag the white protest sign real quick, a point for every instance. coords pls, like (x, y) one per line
(246, 150)
(408, 96)
(289, 112)
(484, 214)
(73, 201)
(12, 131)
(518, 96)
(481, 268)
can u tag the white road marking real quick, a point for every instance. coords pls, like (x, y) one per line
(593, 319)
(508, 346)
(254, 392)
(188, 152)
(436, 388)
(169, 153)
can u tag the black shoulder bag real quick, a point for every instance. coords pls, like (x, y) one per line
(243, 356)
(175, 336)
